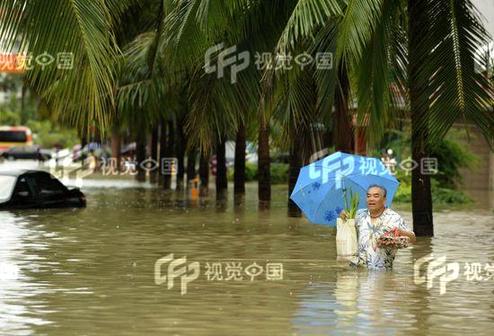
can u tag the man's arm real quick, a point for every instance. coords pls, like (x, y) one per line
(403, 229)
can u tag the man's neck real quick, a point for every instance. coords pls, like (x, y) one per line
(376, 213)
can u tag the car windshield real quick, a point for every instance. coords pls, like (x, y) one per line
(7, 184)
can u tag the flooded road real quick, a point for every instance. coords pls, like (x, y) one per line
(91, 272)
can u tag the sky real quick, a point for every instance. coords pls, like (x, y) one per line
(486, 8)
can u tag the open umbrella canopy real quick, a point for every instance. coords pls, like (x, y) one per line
(321, 186)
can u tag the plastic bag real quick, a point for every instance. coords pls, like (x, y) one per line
(346, 238)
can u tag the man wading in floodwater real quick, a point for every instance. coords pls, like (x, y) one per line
(372, 223)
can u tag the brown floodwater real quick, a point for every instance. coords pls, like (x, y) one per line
(91, 271)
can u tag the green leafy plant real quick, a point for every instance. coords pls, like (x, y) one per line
(279, 172)
(440, 195)
(351, 208)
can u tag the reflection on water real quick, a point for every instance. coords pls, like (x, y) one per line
(19, 305)
(90, 272)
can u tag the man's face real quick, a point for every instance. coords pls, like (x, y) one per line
(375, 199)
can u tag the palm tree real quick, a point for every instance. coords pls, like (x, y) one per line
(447, 54)
(204, 175)
(142, 86)
(219, 109)
(239, 165)
(96, 91)
(74, 96)
(294, 95)
(427, 48)
(264, 163)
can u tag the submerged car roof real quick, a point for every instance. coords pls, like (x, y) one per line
(19, 172)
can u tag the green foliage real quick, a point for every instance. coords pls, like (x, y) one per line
(8, 116)
(368, 39)
(452, 156)
(21, 104)
(404, 192)
(86, 30)
(48, 135)
(351, 208)
(279, 172)
(250, 172)
(451, 152)
(440, 194)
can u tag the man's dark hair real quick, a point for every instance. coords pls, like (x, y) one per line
(380, 187)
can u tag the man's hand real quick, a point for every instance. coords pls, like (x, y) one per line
(343, 215)
(408, 234)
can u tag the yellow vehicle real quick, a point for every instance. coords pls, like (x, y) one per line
(15, 136)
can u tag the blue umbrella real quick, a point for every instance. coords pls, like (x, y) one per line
(321, 185)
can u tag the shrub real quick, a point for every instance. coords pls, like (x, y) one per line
(440, 195)
(279, 172)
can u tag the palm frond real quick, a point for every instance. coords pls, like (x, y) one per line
(378, 93)
(82, 29)
(457, 89)
(217, 106)
(306, 18)
(326, 79)
(356, 28)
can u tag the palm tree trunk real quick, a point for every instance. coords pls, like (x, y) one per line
(204, 174)
(328, 138)
(170, 152)
(180, 150)
(421, 186)
(221, 178)
(153, 175)
(342, 128)
(140, 157)
(23, 102)
(263, 164)
(296, 161)
(167, 142)
(191, 166)
(83, 138)
(162, 142)
(421, 189)
(239, 169)
(116, 148)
